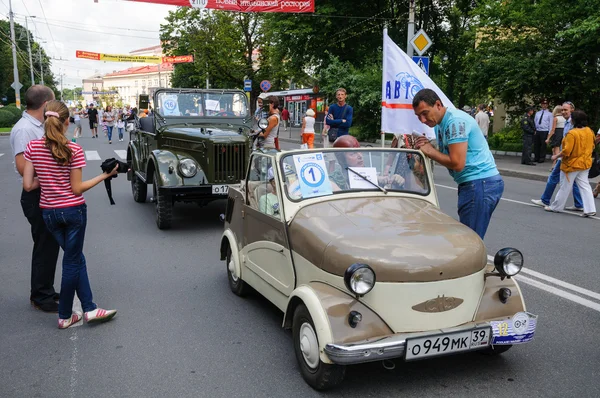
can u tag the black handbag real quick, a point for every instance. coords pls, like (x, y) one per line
(332, 134)
(595, 169)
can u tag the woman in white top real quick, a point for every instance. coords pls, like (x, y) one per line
(272, 130)
(556, 134)
(108, 117)
(77, 121)
(308, 129)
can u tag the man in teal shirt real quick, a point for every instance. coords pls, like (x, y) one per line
(465, 152)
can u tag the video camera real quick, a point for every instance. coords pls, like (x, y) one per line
(107, 166)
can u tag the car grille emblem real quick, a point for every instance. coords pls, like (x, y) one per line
(439, 304)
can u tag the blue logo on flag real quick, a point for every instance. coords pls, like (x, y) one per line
(405, 86)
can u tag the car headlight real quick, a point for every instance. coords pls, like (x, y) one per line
(359, 279)
(188, 168)
(508, 261)
(263, 124)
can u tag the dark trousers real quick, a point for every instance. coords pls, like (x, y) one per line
(45, 250)
(527, 142)
(539, 146)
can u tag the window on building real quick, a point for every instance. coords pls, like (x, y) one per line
(135, 83)
(155, 82)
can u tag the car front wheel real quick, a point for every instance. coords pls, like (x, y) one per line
(317, 374)
(163, 205)
(139, 189)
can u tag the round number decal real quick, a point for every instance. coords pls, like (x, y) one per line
(170, 105)
(520, 321)
(312, 174)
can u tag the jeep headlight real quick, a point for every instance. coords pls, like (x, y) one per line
(508, 261)
(263, 124)
(188, 168)
(359, 279)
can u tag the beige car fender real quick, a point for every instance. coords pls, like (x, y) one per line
(307, 295)
(490, 306)
(228, 239)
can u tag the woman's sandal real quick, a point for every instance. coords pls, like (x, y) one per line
(595, 192)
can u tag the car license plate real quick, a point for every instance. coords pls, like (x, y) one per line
(448, 343)
(220, 189)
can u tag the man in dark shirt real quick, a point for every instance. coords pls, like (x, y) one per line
(528, 126)
(340, 114)
(93, 117)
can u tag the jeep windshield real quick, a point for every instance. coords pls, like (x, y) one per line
(201, 104)
(311, 174)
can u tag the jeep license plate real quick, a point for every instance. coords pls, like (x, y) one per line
(220, 189)
(448, 343)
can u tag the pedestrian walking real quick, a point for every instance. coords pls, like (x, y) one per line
(483, 120)
(121, 127)
(45, 248)
(528, 127)
(543, 123)
(77, 120)
(554, 177)
(576, 155)
(339, 118)
(285, 117)
(325, 129)
(92, 114)
(556, 133)
(108, 118)
(272, 129)
(58, 165)
(308, 129)
(465, 153)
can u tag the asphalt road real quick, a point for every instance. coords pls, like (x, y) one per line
(180, 332)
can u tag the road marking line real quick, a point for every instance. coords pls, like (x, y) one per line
(523, 203)
(558, 282)
(122, 153)
(92, 155)
(561, 293)
(1, 154)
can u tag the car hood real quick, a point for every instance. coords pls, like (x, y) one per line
(402, 239)
(212, 132)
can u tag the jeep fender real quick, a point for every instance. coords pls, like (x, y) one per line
(165, 164)
(306, 295)
(228, 240)
(133, 156)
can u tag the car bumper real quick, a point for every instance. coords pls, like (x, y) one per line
(502, 332)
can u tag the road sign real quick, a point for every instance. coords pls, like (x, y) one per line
(265, 85)
(423, 63)
(247, 85)
(16, 85)
(421, 42)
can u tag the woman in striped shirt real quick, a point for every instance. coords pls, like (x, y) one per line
(55, 164)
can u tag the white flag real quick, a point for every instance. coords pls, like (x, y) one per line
(402, 79)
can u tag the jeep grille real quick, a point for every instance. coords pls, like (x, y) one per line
(230, 162)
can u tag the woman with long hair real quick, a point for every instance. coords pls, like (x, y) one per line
(55, 164)
(556, 134)
(576, 156)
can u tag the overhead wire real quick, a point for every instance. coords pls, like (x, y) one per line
(358, 24)
(49, 30)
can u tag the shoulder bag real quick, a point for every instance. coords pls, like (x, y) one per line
(332, 134)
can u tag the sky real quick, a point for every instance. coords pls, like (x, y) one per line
(108, 26)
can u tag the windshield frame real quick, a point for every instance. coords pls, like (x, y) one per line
(374, 190)
(204, 93)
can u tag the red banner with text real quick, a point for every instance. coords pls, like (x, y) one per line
(242, 5)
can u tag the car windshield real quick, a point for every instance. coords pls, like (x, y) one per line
(194, 104)
(312, 174)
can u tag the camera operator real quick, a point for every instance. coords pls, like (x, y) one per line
(55, 164)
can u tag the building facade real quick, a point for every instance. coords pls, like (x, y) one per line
(132, 82)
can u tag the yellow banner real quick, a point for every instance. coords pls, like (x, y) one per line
(149, 59)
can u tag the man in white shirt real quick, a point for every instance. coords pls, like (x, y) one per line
(483, 120)
(543, 124)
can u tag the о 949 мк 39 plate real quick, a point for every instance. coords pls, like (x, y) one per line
(447, 343)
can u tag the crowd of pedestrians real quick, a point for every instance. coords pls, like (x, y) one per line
(105, 118)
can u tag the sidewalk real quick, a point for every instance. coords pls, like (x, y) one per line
(508, 163)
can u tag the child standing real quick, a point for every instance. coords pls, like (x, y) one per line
(121, 127)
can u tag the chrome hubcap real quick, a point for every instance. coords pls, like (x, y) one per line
(309, 345)
(231, 268)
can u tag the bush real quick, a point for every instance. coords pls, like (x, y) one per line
(14, 110)
(509, 135)
(7, 119)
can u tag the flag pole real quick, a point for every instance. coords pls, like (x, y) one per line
(385, 30)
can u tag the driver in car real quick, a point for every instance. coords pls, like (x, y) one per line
(339, 177)
(269, 203)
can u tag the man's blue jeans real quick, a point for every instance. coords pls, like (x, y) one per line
(67, 225)
(553, 180)
(477, 200)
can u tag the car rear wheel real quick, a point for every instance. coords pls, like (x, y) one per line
(317, 374)
(139, 189)
(236, 284)
(496, 349)
(163, 204)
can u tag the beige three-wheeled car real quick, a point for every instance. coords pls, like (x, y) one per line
(352, 246)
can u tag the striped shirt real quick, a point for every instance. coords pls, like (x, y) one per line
(55, 180)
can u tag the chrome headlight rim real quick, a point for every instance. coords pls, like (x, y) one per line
(263, 123)
(358, 270)
(508, 261)
(188, 168)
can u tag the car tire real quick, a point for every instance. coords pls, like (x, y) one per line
(237, 285)
(494, 350)
(163, 204)
(139, 189)
(318, 375)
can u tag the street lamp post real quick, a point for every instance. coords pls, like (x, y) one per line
(16, 85)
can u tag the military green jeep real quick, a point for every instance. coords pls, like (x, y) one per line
(191, 149)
